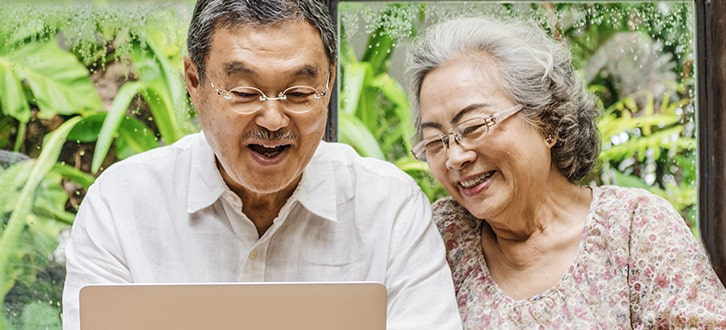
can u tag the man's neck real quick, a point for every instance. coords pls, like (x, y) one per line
(261, 208)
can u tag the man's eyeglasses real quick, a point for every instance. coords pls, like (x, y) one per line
(466, 133)
(295, 99)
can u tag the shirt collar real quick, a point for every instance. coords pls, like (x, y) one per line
(205, 182)
(315, 191)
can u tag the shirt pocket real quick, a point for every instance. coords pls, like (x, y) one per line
(326, 250)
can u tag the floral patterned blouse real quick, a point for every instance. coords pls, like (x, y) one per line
(638, 266)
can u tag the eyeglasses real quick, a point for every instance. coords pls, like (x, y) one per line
(465, 134)
(297, 99)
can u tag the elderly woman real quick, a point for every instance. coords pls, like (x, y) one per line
(508, 129)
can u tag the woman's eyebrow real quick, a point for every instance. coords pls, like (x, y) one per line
(457, 117)
(467, 109)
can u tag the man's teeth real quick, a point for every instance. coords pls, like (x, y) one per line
(475, 181)
(268, 152)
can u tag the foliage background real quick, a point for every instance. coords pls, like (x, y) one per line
(85, 84)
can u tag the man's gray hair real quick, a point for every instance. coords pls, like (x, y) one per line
(534, 69)
(212, 14)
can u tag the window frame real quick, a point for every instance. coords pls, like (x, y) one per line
(710, 38)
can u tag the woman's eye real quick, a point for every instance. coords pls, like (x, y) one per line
(473, 130)
(435, 145)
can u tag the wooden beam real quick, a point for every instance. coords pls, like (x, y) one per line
(331, 128)
(711, 50)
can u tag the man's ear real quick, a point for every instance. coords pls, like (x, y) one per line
(191, 78)
(333, 71)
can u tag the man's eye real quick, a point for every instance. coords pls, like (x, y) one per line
(299, 95)
(244, 95)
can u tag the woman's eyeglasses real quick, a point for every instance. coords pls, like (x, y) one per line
(466, 133)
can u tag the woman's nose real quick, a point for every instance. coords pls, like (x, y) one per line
(457, 155)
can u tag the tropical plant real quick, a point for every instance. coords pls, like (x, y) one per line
(46, 84)
(634, 56)
(375, 115)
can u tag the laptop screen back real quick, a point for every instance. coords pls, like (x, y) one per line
(259, 306)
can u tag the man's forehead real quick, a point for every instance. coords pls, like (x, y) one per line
(234, 67)
(294, 46)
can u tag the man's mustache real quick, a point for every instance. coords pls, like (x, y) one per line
(265, 134)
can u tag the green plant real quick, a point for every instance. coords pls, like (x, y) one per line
(42, 227)
(647, 148)
(647, 106)
(46, 68)
(375, 115)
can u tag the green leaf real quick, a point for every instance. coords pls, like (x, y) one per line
(50, 200)
(52, 144)
(110, 125)
(12, 94)
(134, 137)
(353, 132)
(78, 176)
(162, 108)
(40, 315)
(355, 79)
(88, 128)
(12, 181)
(396, 94)
(165, 92)
(59, 82)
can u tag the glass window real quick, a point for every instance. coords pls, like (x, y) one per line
(637, 57)
(70, 69)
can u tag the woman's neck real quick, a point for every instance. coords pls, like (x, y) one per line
(540, 224)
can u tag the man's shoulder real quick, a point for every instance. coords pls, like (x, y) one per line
(157, 163)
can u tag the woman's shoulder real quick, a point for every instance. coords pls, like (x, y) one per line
(449, 215)
(635, 211)
(460, 232)
(627, 200)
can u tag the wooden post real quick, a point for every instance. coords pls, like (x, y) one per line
(331, 128)
(711, 50)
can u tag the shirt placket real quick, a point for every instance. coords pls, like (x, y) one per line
(254, 263)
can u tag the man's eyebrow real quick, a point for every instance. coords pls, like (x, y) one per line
(307, 70)
(457, 117)
(231, 68)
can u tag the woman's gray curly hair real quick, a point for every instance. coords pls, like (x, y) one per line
(535, 70)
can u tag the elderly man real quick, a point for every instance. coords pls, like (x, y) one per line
(257, 196)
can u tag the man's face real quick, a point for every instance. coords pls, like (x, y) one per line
(264, 150)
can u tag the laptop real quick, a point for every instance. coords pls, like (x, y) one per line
(258, 306)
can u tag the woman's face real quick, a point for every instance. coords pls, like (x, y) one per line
(497, 171)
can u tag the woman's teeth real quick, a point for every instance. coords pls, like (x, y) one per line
(475, 181)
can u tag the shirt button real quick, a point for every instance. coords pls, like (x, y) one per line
(253, 255)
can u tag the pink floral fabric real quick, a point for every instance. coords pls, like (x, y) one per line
(638, 266)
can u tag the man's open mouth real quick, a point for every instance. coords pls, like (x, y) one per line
(269, 151)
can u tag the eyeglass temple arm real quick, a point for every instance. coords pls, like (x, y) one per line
(502, 115)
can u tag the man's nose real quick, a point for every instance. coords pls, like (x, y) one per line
(272, 115)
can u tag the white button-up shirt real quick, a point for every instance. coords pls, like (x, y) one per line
(166, 216)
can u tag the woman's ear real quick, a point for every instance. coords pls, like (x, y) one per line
(550, 140)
